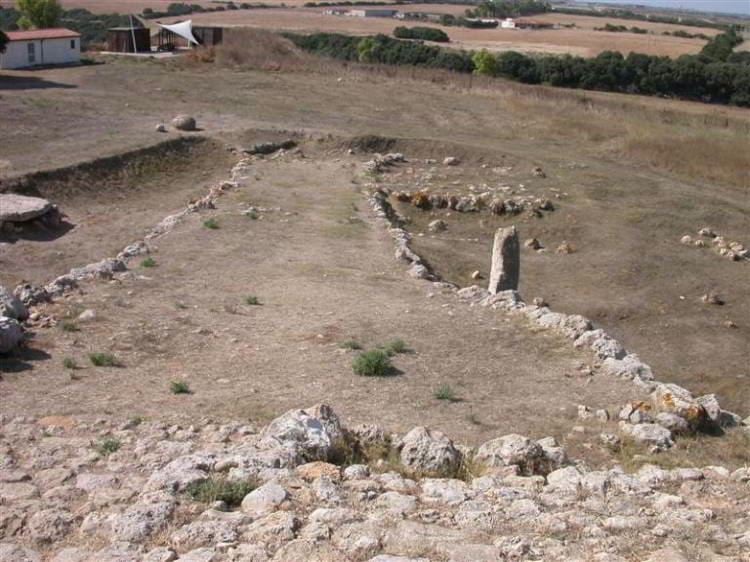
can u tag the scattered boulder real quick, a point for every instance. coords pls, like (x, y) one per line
(314, 433)
(425, 451)
(533, 244)
(11, 306)
(11, 334)
(161, 128)
(264, 500)
(451, 161)
(538, 172)
(674, 399)
(437, 226)
(184, 123)
(712, 298)
(565, 248)
(509, 450)
(651, 434)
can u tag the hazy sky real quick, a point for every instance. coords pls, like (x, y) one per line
(731, 6)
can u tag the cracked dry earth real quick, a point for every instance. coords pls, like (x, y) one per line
(108, 477)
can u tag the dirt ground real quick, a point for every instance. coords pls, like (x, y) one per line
(584, 41)
(326, 273)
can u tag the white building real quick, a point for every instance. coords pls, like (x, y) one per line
(41, 47)
(508, 23)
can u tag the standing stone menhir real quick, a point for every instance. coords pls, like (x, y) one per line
(506, 261)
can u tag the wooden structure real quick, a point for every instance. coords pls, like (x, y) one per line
(120, 40)
(207, 36)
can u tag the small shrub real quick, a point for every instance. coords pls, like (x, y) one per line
(211, 224)
(423, 33)
(70, 363)
(252, 300)
(252, 215)
(179, 387)
(445, 392)
(374, 363)
(100, 359)
(220, 489)
(148, 262)
(394, 347)
(108, 446)
(69, 326)
(351, 344)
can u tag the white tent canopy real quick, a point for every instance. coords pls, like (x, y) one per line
(184, 29)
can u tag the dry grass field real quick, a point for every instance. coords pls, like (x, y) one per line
(582, 41)
(324, 271)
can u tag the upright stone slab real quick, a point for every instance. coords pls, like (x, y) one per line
(506, 261)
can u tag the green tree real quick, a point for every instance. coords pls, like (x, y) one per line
(39, 13)
(3, 41)
(484, 63)
(365, 49)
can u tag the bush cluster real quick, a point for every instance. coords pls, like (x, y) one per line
(383, 49)
(716, 75)
(621, 29)
(422, 33)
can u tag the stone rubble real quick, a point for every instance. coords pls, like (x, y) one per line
(512, 498)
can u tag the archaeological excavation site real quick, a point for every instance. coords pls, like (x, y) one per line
(461, 325)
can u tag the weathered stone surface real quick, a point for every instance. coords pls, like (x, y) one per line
(603, 345)
(512, 449)
(710, 405)
(629, 367)
(264, 500)
(184, 123)
(140, 521)
(21, 208)
(506, 261)
(648, 434)
(674, 399)
(49, 525)
(429, 452)
(314, 433)
(11, 306)
(11, 552)
(11, 334)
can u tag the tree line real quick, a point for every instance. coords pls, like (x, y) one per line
(716, 75)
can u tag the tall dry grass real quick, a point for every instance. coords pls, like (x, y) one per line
(258, 49)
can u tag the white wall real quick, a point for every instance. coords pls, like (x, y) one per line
(47, 51)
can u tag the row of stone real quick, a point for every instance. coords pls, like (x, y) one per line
(697, 414)
(13, 305)
(475, 203)
(734, 251)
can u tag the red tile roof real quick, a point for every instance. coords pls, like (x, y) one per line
(54, 33)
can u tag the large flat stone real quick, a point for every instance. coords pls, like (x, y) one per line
(21, 208)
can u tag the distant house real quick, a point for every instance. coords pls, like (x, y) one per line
(373, 13)
(508, 23)
(41, 47)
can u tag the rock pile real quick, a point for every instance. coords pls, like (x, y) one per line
(382, 161)
(732, 250)
(229, 492)
(476, 203)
